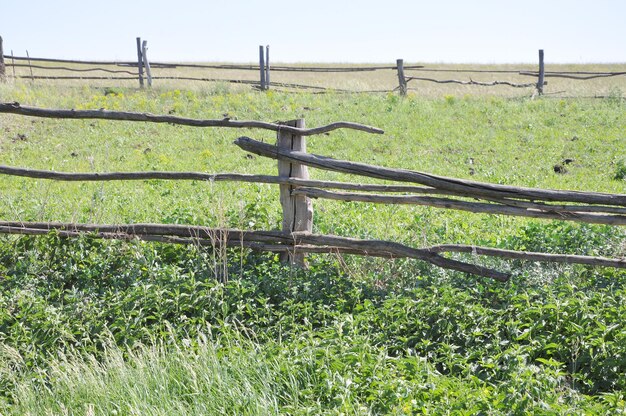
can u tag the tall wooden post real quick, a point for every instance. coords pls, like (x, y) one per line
(30, 66)
(12, 64)
(401, 78)
(297, 209)
(139, 63)
(262, 66)
(146, 63)
(541, 73)
(2, 67)
(267, 67)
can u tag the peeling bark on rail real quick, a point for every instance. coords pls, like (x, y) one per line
(460, 187)
(16, 108)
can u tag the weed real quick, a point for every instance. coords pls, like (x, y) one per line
(620, 170)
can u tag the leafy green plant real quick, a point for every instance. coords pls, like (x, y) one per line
(620, 170)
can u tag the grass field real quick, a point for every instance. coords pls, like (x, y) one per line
(103, 327)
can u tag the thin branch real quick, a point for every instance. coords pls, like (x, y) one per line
(541, 206)
(476, 207)
(16, 108)
(70, 77)
(531, 256)
(201, 176)
(72, 61)
(175, 230)
(135, 176)
(484, 71)
(569, 75)
(472, 82)
(240, 81)
(64, 68)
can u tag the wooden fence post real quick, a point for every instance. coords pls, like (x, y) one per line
(267, 67)
(146, 63)
(401, 78)
(541, 73)
(139, 63)
(2, 67)
(13, 63)
(30, 66)
(262, 66)
(297, 209)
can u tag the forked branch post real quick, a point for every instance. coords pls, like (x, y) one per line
(297, 209)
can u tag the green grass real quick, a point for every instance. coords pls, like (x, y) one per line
(310, 376)
(142, 328)
(89, 326)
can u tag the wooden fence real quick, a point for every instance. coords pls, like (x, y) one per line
(146, 72)
(297, 191)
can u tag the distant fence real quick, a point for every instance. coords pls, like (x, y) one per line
(146, 72)
(297, 190)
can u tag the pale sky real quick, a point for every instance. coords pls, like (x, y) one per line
(478, 31)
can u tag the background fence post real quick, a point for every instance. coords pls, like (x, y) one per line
(146, 63)
(267, 67)
(262, 66)
(30, 67)
(541, 73)
(139, 62)
(401, 78)
(2, 67)
(297, 209)
(12, 63)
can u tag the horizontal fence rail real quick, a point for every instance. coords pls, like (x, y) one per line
(305, 242)
(17, 108)
(277, 240)
(471, 82)
(65, 68)
(241, 67)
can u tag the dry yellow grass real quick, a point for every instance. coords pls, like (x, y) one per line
(380, 80)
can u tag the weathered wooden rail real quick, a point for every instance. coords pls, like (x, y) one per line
(297, 191)
(17, 108)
